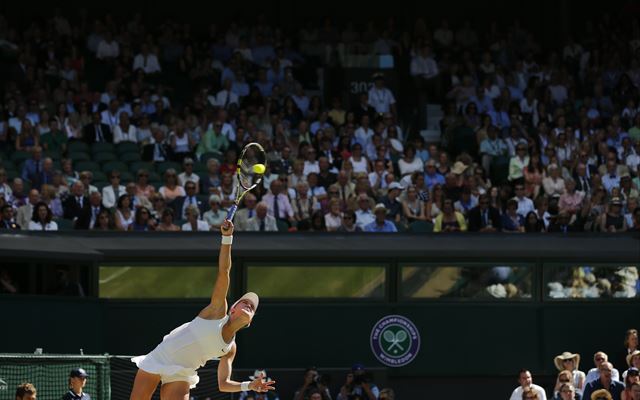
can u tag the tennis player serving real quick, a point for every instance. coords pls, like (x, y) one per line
(210, 335)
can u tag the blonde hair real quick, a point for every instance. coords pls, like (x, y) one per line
(601, 394)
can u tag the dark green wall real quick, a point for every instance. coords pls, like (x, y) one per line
(465, 339)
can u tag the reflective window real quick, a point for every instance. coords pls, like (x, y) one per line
(300, 281)
(591, 281)
(146, 282)
(498, 281)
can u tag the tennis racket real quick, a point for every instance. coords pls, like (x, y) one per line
(252, 165)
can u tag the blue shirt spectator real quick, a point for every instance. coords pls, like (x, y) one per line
(432, 177)
(381, 224)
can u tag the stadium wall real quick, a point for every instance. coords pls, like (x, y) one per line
(476, 340)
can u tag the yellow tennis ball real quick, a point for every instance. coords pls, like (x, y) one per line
(259, 168)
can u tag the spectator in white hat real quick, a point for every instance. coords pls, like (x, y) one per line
(570, 362)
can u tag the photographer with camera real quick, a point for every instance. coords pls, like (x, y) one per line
(359, 384)
(314, 384)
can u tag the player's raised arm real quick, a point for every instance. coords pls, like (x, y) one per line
(218, 306)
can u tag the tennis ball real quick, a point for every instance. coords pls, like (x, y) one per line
(259, 168)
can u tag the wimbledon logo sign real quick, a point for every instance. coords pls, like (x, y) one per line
(395, 341)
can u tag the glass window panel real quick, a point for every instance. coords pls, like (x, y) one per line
(591, 281)
(299, 281)
(466, 281)
(145, 282)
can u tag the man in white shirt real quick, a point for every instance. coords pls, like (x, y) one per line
(227, 129)
(124, 131)
(278, 203)
(443, 36)
(111, 116)
(594, 373)
(423, 65)
(225, 97)
(262, 222)
(364, 215)
(526, 381)
(108, 48)
(188, 175)
(525, 204)
(364, 133)
(111, 193)
(146, 61)
(381, 98)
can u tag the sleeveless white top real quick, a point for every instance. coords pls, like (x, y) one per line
(359, 166)
(186, 348)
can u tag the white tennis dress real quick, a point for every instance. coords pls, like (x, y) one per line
(185, 349)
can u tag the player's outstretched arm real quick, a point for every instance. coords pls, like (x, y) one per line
(218, 306)
(225, 384)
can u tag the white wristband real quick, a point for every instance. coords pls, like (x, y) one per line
(227, 239)
(244, 386)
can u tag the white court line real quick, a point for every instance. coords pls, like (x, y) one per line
(116, 275)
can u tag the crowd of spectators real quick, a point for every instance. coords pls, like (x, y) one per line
(118, 124)
(601, 382)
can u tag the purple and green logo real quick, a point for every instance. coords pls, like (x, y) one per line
(395, 340)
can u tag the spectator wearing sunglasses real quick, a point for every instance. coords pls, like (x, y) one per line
(349, 222)
(566, 391)
(594, 373)
(564, 385)
(613, 387)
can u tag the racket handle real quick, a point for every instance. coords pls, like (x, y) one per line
(232, 212)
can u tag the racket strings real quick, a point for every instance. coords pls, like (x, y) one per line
(247, 176)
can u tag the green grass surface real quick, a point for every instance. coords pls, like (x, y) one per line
(156, 282)
(314, 282)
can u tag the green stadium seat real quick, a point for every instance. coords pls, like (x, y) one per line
(54, 154)
(282, 226)
(105, 157)
(163, 166)
(138, 165)
(103, 148)
(464, 140)
(79, 156)
(156, 184)
(127, 147)
(99, 175)
(100, 184)
(8, 165)
(199, 167)
(19, 156)
(420, 226)
(154, 176)
(114, 165)
(86, 166)
(129, 157)
(77, 147)
(499, 170)
(64, 224)
(126, 177)
(12, 174)
(401, 227)
(203, 176)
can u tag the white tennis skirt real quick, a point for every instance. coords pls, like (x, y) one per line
(154, 363)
